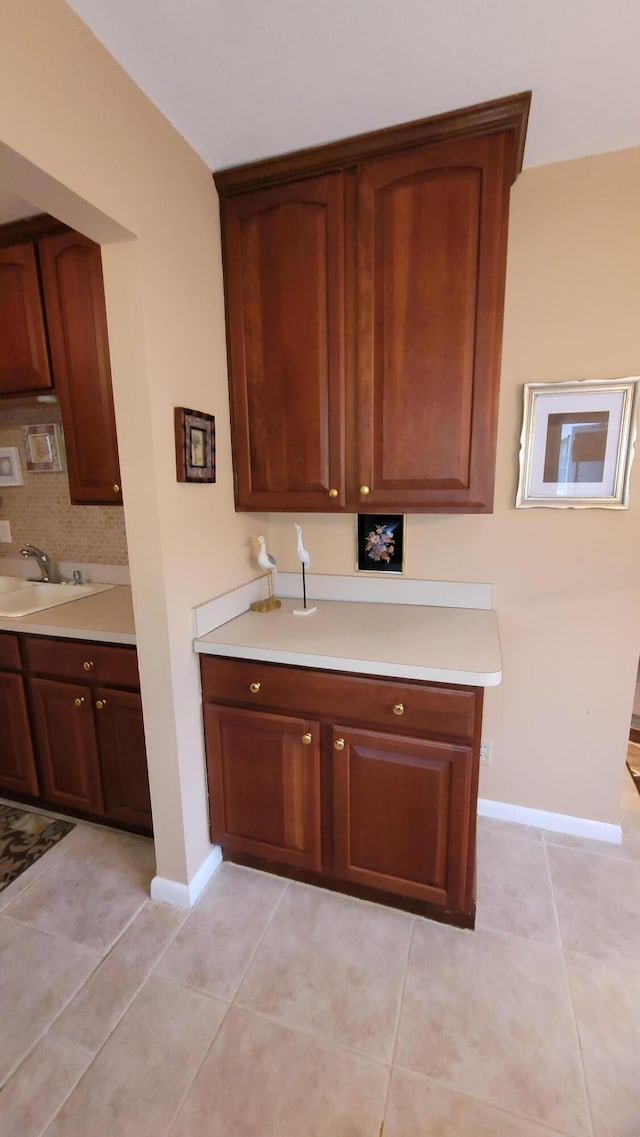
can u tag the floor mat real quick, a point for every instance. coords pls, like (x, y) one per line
(24, 837)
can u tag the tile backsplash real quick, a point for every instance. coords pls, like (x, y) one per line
(40, 510)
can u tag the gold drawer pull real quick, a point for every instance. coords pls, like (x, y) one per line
(307, 739)
(254, 688)
(339, 744)
(116, 488)
(88, 664)
(101, 704)
(398, 708)
(364, 490)
(78, 701)
(333, 493)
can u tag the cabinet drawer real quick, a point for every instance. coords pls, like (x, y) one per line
(404, 706)
(9, 651)
(95, 663)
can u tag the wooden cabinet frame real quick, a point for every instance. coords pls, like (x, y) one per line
(53, 336)
(75, 734)
(395, 329)
(385, 791)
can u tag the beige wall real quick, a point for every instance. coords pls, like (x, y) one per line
(82, 142)
(79, 140)
(567, 582)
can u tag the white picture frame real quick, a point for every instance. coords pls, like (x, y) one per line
(577, 444)
(10, 468)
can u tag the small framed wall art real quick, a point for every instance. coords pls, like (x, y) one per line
(577, 443)
(10, 469)
(380, 542)
(195, 436)
(44, 448)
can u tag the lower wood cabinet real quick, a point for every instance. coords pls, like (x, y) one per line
(360, 784)
(401, 814)
(17, 765)
(66, 743)
(264, 788)
(123, 756)
(75, 737)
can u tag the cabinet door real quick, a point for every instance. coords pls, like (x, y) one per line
(123, 756)
(66, 744)
(71, 268)
(24, 359)
(403, 816)
(284, 270)
(431, 265)
(17, 767)
(264, 784)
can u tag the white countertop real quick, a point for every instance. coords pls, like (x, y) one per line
(107, 616)
(406, 641)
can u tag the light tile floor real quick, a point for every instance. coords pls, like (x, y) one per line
(277, 1010)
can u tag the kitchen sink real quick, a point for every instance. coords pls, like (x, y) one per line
(22, 597)
(12, 583)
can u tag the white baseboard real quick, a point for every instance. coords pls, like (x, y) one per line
(556, 822)
(185, 895)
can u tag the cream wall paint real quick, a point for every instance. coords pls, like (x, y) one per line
(567, 587)
(79, 140)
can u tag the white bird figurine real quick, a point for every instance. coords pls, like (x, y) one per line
(303, 555)
(265, 560)
(305, 561)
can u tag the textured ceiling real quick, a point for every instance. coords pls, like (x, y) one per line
(243, 79)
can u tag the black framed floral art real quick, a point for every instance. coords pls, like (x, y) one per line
(380, 542)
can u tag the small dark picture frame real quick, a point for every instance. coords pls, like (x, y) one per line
(380, 542)
(195, 445)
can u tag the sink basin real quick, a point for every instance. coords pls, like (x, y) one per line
(12, 583)
(29, 596)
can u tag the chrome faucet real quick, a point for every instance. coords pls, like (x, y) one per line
(45, 564)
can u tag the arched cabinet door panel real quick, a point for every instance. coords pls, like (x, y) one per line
(431, 256)
(71, 268)
(285, 291)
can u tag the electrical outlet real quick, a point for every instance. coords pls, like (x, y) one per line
(5, 532)
(486, 753)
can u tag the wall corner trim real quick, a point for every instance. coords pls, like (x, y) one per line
(185, 895)
(556, 822)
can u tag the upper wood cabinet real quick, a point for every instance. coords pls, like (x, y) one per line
(24, 359)
(364, 288)
(71, 267)
(53, 333)
(286, 298)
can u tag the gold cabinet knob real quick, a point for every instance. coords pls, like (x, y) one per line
(78, 701)
(338, 744)
(364, 490)
(307, 739)
(254, 688)
(333, 493)
(101, 704)
(88, 664)
(398, 708)
(116, 487)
